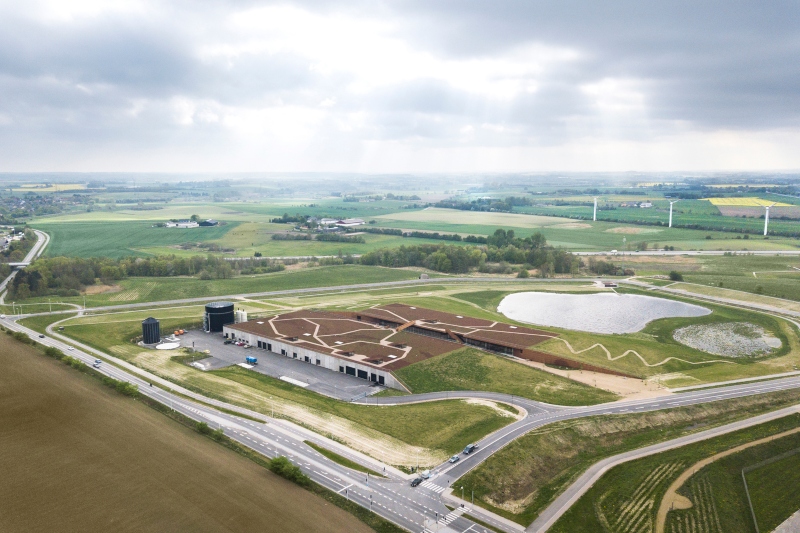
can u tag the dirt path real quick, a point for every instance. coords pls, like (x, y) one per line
(673, 500)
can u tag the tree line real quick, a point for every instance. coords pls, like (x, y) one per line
(67, 276)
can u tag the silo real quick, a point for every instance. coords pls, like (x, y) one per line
(151, 331)
(218, 314)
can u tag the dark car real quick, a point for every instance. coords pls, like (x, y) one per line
(470, 448)
(41, 336)
(416, 481)
(228, 341)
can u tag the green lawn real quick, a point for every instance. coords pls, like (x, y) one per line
(159, 289)
(344, 461)
(471, 369)
(524, 477)
(445, 425)
(631, 493)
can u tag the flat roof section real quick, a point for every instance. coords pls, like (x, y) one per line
(475, 328)
(349, 339)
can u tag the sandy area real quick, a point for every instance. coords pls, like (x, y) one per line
(628, 388)
(574, 225)
(100, 289)
(632, 231)
(673, 500)
(521, 413)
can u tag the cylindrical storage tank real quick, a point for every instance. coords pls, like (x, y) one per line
(218, 314)
(151, 331)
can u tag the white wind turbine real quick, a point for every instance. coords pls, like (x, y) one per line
(670, 211)
(594, 215)
(766, 217)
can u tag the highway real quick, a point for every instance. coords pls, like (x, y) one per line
(392, 497)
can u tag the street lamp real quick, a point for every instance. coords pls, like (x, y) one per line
(462, 493)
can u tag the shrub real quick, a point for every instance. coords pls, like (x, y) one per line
(675, 276)
(284, 468)
(523, 274)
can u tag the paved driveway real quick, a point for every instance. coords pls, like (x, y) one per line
(315, 378)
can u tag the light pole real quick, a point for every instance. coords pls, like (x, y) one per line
(50, 304)
(462, 493)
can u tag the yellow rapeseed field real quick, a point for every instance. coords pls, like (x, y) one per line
(745, 202)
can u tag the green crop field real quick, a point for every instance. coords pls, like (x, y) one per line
(629, 495)
(471, 369)
(520, 480)
(773, 487)
(77, 456)
(120, 239)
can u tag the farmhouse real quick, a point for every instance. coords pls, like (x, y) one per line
(182, 224)
(209, 222)
(373, 343)
(350, 222)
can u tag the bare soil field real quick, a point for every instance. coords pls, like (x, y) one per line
(792, 212)
(79, 457)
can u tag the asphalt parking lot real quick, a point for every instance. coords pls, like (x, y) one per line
(317, 379)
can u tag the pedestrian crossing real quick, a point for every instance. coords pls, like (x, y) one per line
(432, 486)
(452, 515)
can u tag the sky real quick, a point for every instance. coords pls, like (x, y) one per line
(405, 86)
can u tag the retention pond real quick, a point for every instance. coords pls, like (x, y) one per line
(596, 313)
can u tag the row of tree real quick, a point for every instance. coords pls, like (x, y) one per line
(67, 276)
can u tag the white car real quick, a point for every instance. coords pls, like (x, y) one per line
(70, 348)
(2, 316)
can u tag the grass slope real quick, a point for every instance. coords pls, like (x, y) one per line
(471, 369)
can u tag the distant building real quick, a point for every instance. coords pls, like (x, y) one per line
(328, 221)
(182, 224)
(209, 222)
(350, 222)
(645, 205)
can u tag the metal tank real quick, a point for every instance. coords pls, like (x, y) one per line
(218, 314)
(151, 331)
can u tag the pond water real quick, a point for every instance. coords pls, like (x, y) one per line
(597, 313)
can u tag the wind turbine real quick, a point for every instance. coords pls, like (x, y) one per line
(594, 215)
(766, 217)
(670, 211)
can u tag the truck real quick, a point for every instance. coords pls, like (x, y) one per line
(251, 360)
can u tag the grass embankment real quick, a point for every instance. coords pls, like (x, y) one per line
(104, 462)
(133, 290)
(471, 369)
(627, 498)
(344, 461)
(445, 425)
(520, 480)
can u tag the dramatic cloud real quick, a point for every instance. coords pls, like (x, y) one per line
(402, 86)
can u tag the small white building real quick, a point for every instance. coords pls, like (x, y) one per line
(646, 205)
(182, 224)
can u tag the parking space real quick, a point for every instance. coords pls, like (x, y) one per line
(321, 380)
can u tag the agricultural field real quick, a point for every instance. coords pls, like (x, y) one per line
(520, 480)
(102, 462)
(627, 498)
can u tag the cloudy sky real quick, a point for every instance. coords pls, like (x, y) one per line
(406, 86)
